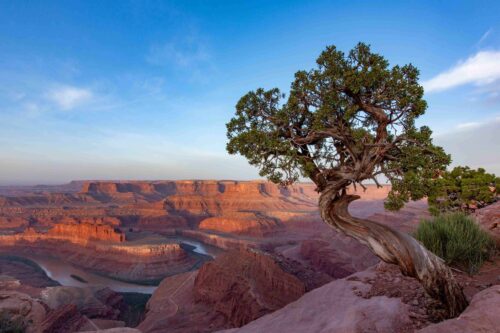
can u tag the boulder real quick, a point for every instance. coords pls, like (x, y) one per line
(489, 220)
(481, 316)
(67, 318)
(20, 310)
(376, 300)
(94, 302)
(338, 257)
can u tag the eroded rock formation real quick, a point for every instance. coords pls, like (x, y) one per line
(245, 285)
(239, 286)
(482, 315)
(376, 300)
(489, 219)
(59, 309)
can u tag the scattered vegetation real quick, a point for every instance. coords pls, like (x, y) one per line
(10, 324)
(135, 306)
(463, 189)
(457, 239)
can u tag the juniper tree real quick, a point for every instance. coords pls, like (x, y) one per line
(463, 189)
(348, 121)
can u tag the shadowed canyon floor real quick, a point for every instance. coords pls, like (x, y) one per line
(215, 254)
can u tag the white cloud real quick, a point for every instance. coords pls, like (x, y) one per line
(481, 69)
(69, 97)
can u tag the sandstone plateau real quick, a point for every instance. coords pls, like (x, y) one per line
(108, 221)
(266, 263)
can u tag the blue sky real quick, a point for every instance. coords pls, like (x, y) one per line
(143, 89)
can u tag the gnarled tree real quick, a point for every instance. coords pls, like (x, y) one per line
(350, 120)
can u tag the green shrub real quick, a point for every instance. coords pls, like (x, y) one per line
(457, 239)
(9, 324)
(463, 189)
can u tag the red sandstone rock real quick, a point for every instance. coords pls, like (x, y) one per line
(350, 305)
(339, 257)
(482, 315)
(88, 232)
(116, 330)
(62, 320)
(20, 308)
(167, 204)
(255, 224)
(25, 273)
(172, 309)
(12, 222)
(93, 302)
(131, 263)
(489, 219)
(244, 285)
(237, 287)
(220, 213)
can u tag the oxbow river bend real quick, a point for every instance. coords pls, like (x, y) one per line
(62, 272)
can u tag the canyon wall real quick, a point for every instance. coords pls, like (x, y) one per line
(104, 250)
(254, 208)
(87, 231)
(235, 288)
(113, 218)
(244, 285)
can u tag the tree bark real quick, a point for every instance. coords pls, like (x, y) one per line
(394, 247)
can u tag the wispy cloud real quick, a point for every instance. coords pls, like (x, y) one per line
(481, 69)
(484, 36)
(185, 54)
(69, 97)
(189, 54)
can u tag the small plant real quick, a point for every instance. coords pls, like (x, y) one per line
(9, 324)
(457, 239)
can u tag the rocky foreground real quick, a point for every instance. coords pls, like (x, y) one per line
(277, 266)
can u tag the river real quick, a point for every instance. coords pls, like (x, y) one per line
(62, 272)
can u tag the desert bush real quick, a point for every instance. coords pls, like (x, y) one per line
(9, 324)
(457, 239)
(463, 189)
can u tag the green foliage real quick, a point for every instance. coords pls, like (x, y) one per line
(349, 120)
(457, 239)
(420, 165)
(9, 324)
(463, 189)
(133, 312)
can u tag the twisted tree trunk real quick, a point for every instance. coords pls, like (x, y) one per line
(395, 247)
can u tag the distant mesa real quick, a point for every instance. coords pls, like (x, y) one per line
(104, 225)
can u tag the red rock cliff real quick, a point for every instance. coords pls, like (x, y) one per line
(88, 231)
(244, 285)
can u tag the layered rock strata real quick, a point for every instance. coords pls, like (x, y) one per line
(239, 286)
(245, 285)
(131, 261)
